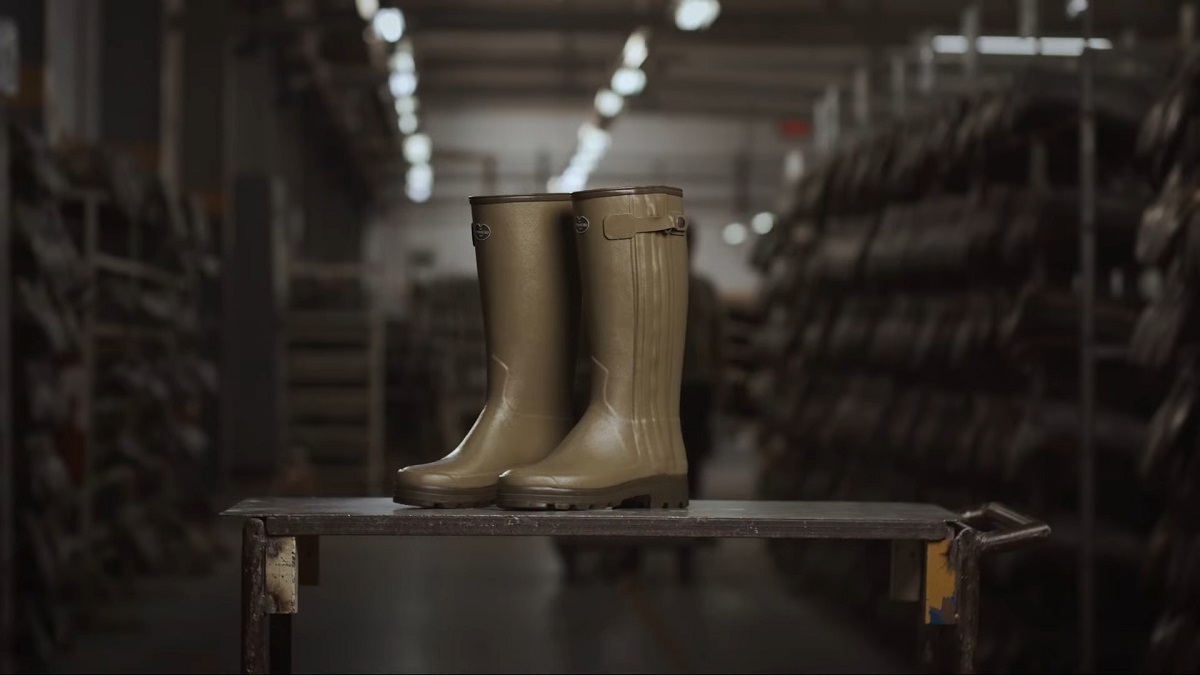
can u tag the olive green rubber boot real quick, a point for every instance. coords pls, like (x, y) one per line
(627, 450)
(528, 280)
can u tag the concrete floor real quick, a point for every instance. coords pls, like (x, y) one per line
(427, 605)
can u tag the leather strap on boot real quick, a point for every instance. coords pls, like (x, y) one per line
(625, 225)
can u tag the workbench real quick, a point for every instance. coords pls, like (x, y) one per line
(935, 553)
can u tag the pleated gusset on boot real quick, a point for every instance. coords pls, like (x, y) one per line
(529, 284)
(627, 450)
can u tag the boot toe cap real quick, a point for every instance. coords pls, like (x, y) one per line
(416, 477)
(531, 478)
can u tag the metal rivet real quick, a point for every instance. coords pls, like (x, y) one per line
(680, 223)
(480, 231)
(581, 224)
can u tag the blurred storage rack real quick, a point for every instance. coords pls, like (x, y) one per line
(923, 308)
(1164, 342)
(114, 388)
(335, 376)
(447, 360)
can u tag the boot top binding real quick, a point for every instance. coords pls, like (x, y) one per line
(628, 191)
(508, 199)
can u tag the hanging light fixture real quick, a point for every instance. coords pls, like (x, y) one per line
(418, 182)
(629, 81)
(366, 8)
(402, 62)
(762, 223)
(734, 234)
(609, 103)
(402, 84)
(388, 24)
(408, 123)
(418, 149)
(636, 50)
(696, 14)
(406, 105)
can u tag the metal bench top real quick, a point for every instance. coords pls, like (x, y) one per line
(304, 516)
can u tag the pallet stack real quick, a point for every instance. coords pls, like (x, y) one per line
(114, 385)
(1164, 343)
(923, 313)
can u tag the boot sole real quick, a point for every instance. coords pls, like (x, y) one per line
(656, 492)
(443, 498)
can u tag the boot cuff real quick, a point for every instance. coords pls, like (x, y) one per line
(507, 199)
(627, 191)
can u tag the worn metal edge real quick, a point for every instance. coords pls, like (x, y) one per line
(325, 525)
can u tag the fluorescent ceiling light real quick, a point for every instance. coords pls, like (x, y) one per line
(1005, 45)
(418, 193)
(609, 103)
(571, 180)
(628, 81)
(420, 175)
(366, 8)
(402, 62)
(406, 105)
(636, 50)
(389, 24)
(593, 138)
(762, 223)
(582, 163)
(734, 234)
(408, 123)
(418, 182)
(696, 14)
(402, 84)
(418, 149)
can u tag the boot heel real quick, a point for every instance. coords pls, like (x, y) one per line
(665, 492)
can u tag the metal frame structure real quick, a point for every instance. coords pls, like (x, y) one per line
(7, 506)
(1087, 352)
(936, 554)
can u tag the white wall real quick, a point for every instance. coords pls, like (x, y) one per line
(699, 155)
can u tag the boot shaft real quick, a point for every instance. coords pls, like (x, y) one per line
(529, 285)
(633, 259)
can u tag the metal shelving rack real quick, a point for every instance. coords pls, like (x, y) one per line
(334, 384)
(7, 510)
(1092, 351)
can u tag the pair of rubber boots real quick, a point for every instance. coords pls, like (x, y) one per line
(624, 253)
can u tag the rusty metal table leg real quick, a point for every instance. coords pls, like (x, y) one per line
(254, 561)
(966, 557)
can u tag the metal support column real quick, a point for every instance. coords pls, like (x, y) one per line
(1187, 22)
(971, 20)
(1087, 351)
(899, 77)
(927, 63)
(254, 617)
(7, 511)
(862, 96)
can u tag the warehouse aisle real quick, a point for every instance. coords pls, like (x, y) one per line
(474, 605)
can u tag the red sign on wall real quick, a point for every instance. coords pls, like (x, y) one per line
(795, 128)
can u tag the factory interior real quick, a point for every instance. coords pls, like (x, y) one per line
(929, 352)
